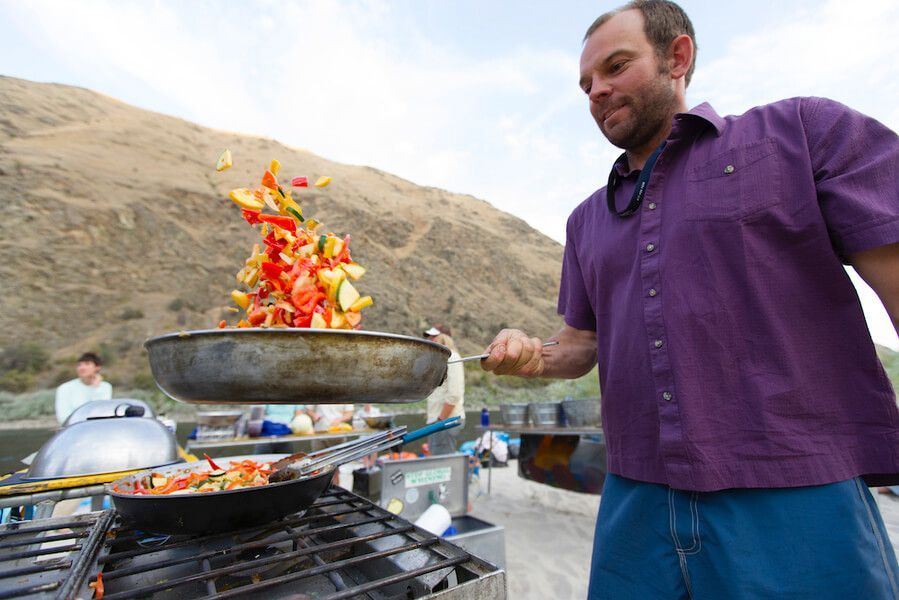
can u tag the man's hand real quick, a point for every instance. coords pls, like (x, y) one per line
(512, 352)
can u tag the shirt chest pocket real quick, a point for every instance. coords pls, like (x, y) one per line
(735, 184)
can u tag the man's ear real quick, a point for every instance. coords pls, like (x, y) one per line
(680, 56)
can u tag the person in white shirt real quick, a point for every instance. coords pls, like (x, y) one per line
(329, 415)
(88, 386)
(448, 400)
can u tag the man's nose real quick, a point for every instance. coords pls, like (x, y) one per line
(599, 89)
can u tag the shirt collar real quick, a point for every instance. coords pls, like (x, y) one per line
(703, 113)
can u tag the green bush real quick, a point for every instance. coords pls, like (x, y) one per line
(27, 406)
(15, 380)
(143, 380)
(177, 304)
(131, 313)
(28, 357)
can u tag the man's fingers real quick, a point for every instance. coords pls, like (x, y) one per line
(497, 350)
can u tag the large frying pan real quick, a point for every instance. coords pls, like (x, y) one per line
(287, 366)
(215, 511)
(233, 509)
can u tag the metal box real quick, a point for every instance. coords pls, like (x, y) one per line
(409, 487)
(480, 538)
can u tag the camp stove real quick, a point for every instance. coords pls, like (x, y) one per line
(344, 546)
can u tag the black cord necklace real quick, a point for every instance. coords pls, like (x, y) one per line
(639, 190)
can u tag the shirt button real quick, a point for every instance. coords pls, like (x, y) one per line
(729, 169)
(652, 292)
(658, 343)
(652, 206)
(667, 396)
(650, 247)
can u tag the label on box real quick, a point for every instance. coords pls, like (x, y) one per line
(428, 476)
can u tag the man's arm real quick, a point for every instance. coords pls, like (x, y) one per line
(512, 352)
(879, 267)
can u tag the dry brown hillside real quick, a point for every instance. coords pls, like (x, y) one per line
(117, 227)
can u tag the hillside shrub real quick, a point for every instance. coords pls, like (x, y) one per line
(29, 357)
(15, 380)
(131, 313)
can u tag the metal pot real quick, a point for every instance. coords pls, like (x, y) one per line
(104, 445)
(581, 413)
(544, 414)
(109, 408)
(513, 414)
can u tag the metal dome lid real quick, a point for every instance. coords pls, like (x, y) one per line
(117, 407)
(104, 445)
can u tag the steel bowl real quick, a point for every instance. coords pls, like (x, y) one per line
(107, 408)
(107, 445)
(295, 366)
(379, 421)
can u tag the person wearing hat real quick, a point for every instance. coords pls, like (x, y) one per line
(448, 400)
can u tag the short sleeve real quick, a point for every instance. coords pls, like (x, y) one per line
(855, 160)
(574, 303)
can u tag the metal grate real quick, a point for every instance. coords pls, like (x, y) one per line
(50, 558)
(342, 547)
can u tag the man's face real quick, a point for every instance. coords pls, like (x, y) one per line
(631, 96)
(87, 370)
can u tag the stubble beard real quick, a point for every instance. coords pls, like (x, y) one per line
(651, 111)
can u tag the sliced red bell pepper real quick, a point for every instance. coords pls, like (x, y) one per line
(272, 271)
(302, 320)
(283, 222)
(269, 181)
(252, 216)
(300, 182)
(211, 462)
(274, 246)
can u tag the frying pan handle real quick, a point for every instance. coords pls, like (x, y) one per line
(432, 428)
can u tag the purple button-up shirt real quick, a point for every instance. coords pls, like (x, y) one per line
(732, 347)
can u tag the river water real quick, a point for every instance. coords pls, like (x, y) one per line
(18, 443)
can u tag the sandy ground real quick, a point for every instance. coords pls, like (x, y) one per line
(548, 532)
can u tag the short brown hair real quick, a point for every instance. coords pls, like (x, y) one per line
(91, 357)
(662, 22)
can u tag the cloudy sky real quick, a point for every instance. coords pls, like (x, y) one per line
(471, 96)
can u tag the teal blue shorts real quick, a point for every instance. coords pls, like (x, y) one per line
(817, 542)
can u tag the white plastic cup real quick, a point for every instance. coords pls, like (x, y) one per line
(436, 519)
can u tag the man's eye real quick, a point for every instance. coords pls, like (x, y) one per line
(586, 89)
(617, 67)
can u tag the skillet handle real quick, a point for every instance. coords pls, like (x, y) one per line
(432, 428)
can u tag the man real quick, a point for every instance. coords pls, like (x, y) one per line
(742, 397)
(88, 386)
(448, 400)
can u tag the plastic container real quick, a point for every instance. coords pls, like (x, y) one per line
(514, 414)
(436, 519)
(544, 414)
(485, 417)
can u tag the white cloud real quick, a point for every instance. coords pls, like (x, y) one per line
(841, 50)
